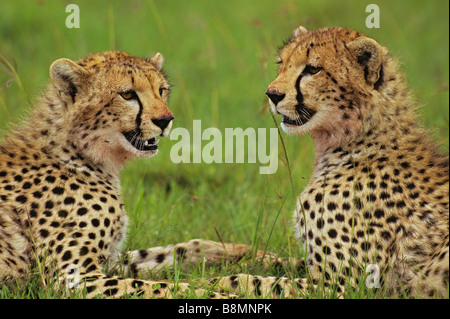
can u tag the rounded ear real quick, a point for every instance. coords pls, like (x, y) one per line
(157, 60)
(67, 76)
(368, 54)
(299, 31)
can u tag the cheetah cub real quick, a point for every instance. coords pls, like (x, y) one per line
(379, 194)
(60, 200)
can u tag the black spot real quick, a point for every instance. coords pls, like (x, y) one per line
(379, 213)
(50, 179)
(27, 185)
(49, 204)
(384, 195)
(44, 233)
(318, 197)
(320, 223)
(87, 196)
(257, 284)
(58, 190)
(111, 282)
(110, 292)
(137, 283)
(332, 233)
(84, 250)
(306, 205)
(63, 213)
(405, 165)
(397, 189)
(95, 222)
(69, 200)
(143, 253)
(67, 255)
(400, 204)
(160, 258)
(331, 206)
(82, 211)
(90, 288)
(21, 199)
(318, 257)
(391, 219)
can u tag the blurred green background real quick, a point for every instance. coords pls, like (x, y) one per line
(220, 58)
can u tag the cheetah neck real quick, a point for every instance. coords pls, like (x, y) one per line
(386, 121)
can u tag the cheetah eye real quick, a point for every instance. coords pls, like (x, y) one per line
(309, 69)
(161, 90)
(129, 95)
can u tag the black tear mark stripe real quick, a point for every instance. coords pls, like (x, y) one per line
(299, 98)
(138, 116)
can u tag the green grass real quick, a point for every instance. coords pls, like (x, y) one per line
(220, 59)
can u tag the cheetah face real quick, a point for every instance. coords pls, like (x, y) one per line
(290, 93)
(320, 80)
(118, 102)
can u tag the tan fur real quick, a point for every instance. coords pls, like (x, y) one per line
(59, 173)
(379, 193)
(60, 208)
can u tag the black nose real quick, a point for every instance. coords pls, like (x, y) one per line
(275, 96)
(162, 122)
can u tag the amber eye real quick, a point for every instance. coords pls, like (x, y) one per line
(128, 95)
(309, 69)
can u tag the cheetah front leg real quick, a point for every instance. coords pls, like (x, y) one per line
(197, 251)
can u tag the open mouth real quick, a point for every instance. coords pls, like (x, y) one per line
(139, 143)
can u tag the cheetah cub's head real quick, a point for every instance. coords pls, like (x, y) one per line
(117, 104)
(322, 77)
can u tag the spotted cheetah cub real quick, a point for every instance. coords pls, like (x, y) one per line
(60, 200)
(378, 200)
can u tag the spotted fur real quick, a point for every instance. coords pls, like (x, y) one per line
(379, 194)
(60, 204)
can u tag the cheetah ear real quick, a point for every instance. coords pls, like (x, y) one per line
(67, 76)
(301, 30)
(157, 60)
(368, 54)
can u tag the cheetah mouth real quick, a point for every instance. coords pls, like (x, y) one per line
(299, 121)
(296, 122)
(304, 115)
(139, 143)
